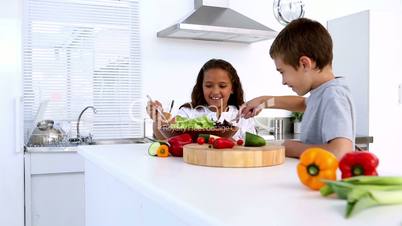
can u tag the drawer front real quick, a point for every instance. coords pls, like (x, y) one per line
(47, 163)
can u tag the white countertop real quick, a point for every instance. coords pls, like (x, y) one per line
(229, 196)
(51, 149)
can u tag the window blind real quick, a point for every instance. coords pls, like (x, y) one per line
(80, 53)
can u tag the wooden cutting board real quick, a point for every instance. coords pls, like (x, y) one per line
(238, 156)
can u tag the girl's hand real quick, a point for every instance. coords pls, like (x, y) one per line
(152, 111)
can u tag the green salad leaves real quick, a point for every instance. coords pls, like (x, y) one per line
(202, 122)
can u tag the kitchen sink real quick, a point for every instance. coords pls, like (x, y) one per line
(74, 142)
(142, 140)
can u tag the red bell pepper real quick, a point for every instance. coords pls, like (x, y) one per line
(358, 163)
(221, 143)
(177, 142)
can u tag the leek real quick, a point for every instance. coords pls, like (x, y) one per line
(374, 180)
(360, 200)
(365, 191)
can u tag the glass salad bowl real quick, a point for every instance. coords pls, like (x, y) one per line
(226, 132)
(196, 126)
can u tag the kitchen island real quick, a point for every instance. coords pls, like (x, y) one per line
(126, 186)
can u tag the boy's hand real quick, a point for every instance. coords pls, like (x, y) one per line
(294, 148)
(252, 107)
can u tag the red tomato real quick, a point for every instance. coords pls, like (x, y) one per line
(200, 140)
(211, 140)
(239, 142)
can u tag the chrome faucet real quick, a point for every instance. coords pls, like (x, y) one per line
(79, 119)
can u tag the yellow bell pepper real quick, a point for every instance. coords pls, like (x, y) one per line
(316, 164)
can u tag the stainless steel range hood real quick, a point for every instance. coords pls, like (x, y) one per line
(213, 21)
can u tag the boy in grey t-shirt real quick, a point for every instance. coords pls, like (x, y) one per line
(328, 108)
(302, 53)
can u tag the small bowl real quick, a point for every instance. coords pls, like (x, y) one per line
(226, 132)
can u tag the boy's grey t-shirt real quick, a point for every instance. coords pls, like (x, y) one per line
(329, 114)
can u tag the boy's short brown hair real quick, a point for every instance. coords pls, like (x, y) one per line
(303, 37)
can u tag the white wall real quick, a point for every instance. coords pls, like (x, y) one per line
(170, 66)
(11, 162)
(326, 10)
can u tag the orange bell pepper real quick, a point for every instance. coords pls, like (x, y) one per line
(162, 151)
(316, 164)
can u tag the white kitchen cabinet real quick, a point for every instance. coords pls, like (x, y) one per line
(368, 52)
(54, 189)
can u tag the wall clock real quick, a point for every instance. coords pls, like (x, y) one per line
(288, 10)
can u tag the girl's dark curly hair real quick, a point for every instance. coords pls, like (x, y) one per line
(197, 95)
